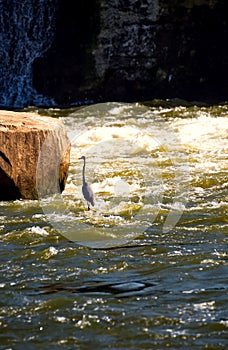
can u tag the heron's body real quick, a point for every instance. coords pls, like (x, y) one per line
(88, 193)
(86, 188)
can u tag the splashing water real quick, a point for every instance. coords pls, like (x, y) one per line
(141, 166)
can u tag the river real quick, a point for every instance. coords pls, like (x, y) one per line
(146, 267)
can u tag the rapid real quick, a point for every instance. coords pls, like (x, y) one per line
(146, 267)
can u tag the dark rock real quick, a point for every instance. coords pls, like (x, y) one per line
(136, 50)
(63, 52)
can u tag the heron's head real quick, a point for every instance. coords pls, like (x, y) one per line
(82, 157)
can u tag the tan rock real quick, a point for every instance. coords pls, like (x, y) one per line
(34, 155)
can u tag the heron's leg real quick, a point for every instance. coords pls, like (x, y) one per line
(88, 206)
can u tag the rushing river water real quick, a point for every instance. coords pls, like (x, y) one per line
(146, 268)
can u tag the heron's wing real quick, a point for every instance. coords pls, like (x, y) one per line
(88, 193)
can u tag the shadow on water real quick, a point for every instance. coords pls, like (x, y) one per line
(118, 289)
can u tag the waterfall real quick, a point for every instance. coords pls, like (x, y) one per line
(26, 32)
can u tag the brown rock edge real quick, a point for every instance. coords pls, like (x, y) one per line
(34, 155)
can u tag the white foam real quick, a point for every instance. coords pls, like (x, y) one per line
(38, 230)
(204, 132)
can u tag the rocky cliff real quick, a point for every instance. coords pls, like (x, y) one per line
(121, 50)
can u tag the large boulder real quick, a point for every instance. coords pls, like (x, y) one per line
(34, 155)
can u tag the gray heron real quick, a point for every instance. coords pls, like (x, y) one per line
(86, 188)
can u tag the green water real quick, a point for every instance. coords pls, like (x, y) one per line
(147, 267)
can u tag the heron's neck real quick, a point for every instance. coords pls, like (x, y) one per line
(83, 172)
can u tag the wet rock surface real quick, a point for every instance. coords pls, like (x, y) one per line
(136, 50)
